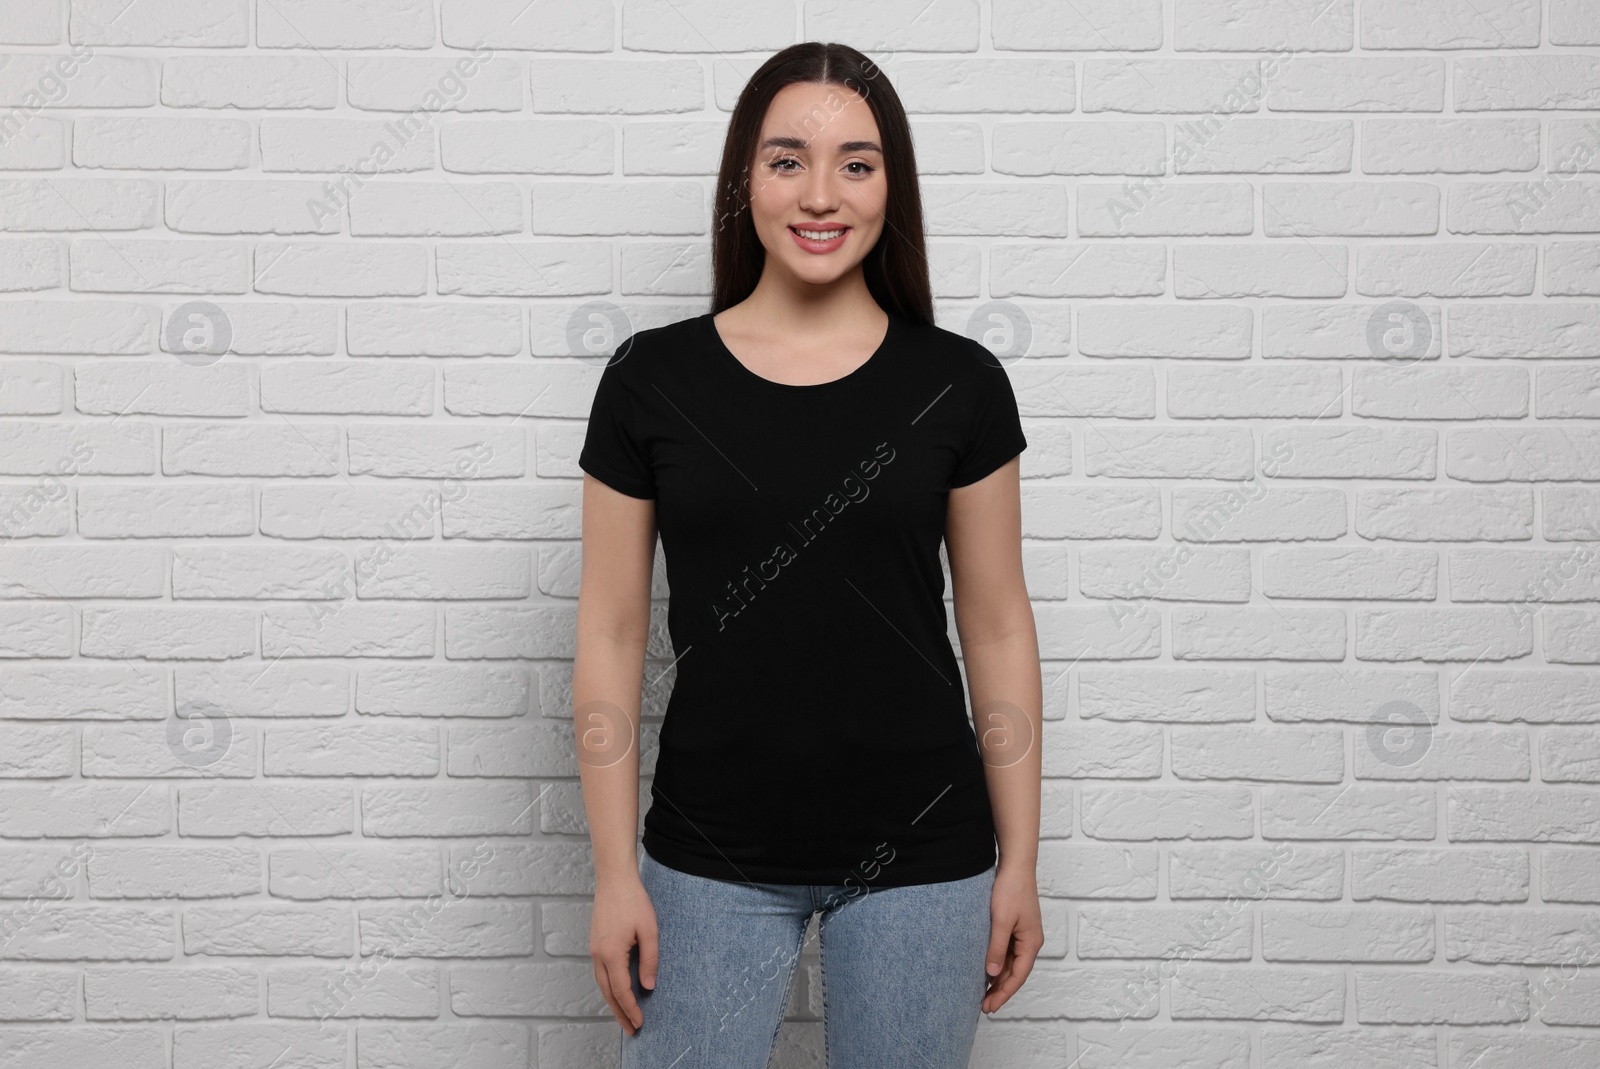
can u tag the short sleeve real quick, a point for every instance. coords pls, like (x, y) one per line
(611, 446)
(995, 427)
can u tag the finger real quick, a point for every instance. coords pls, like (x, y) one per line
(999, 941)
(602, 981)
(649, 948)
(1007, 983)
(622, 1020)
(996, 994)
(994, 1000)
(1027, 952)
(999, 978)
(622, 989)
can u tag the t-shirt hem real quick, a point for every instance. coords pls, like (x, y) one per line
(619, 483)
(901, 874)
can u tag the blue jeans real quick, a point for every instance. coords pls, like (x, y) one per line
(902, 970)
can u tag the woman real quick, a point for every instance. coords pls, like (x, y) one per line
(804, 447)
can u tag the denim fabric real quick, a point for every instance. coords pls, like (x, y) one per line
(902, 971)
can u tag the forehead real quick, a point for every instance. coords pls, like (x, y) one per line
(819, 116)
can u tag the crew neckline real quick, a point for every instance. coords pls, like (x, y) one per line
(721, 348)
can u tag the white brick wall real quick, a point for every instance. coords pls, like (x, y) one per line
(1311, 298)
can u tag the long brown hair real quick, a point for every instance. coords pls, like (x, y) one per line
(896, 268)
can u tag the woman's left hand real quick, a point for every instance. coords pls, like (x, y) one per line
(1016, 932)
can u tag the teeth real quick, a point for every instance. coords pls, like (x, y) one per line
(819, 235)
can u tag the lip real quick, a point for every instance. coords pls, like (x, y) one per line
(820, 247)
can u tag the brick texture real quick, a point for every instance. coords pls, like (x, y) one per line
(302, 306)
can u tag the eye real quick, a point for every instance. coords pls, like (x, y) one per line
(777, 165)
(866, 168)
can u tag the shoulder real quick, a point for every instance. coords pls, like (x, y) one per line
(948, 352)
(650, 350)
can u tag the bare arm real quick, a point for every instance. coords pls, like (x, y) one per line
(619, 537)
(1000, 648)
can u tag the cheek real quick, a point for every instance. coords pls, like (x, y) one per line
(868, 212)
(769, 215)
(870, 198)
(873, 230)
(768, 198)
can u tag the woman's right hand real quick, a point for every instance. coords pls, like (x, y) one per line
(623, 916)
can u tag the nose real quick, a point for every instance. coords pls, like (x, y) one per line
(819, 194)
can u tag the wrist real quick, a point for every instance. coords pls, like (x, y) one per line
(615, 871)
(1015, 862)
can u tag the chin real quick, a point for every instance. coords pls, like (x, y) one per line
(822, 277)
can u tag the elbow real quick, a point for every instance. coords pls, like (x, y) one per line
(999, 619)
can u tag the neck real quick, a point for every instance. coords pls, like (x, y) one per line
(788, 304)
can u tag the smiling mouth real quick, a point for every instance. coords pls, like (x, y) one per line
(820, 235)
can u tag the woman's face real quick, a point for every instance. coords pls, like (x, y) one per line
(817, 186)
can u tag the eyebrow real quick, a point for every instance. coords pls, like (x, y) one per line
(800, 144)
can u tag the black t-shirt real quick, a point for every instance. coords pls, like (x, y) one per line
(817, 731)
